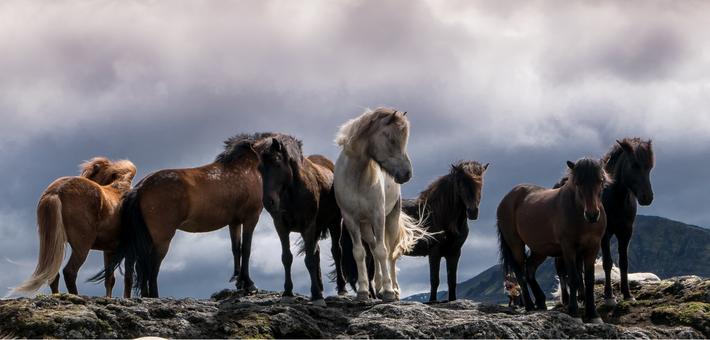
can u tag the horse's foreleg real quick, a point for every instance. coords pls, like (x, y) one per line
(77, 259)
(353, 227)
(589, 306)
(563, 284)
(452, 266)
(335, 229)
(624, 240)
(247, 236)
(375, 237)
(570, 258)
(235, 235)
(392, 239)
(287, 261)
(110, 281)
(607, 263)
(434, 268)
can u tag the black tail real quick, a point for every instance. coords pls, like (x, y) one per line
(347, 261)
(507, 262)
(320, 235)
(134, 244)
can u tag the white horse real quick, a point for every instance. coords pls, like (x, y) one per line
(368, 174)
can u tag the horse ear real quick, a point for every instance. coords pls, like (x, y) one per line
(405, 113)
(626, 147)
(570, 165)
(388, 120)
(485, 167)
(275, 145)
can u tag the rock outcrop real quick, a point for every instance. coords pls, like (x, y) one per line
(673, 308)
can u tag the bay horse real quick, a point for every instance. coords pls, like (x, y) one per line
(368, 173)
(567, 222)
(84, 212)
(195, 200)
(298, 194)
(629, 162)
(444, 207)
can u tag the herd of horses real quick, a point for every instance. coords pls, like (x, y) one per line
(356, 200)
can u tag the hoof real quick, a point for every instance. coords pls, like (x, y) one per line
(319, 303)
(578, 320)
(287, 300)
(343, 293)
(597, 321)
(252, 289)
(610, 302)
(389, 297)
(362, 296)
(630, 299)
(234, 278)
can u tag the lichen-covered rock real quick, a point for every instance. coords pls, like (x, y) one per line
(674, 308)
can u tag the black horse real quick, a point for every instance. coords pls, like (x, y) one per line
(443, 207)
(299, 196)
(629, 162)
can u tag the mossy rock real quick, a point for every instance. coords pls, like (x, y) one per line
(693, 314)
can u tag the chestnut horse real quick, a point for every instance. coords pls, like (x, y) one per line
(444, 207)
(84, 212)
(299, 196)
(195, 200)
(368, 174)
(629, 162)
(568, 222)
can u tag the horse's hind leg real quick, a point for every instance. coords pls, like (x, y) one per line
(287, 261)
(77, 259)
(335, 229)
(110, 280)
(54, 285)
(128, 280)
(532, 263)
(312, 260)
(589, 306)
(624, 238)
(434, 268)
(235, 235)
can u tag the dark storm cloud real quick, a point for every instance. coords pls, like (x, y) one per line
(524, 86)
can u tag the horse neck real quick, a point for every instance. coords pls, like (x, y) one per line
(441, 198)
(618, 186)
(567, 194)
(360, 165)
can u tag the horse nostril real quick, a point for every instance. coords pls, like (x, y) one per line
(271, 203)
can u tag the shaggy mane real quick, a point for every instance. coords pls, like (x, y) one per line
(105, 172)
(234, 147)
(643, 151)
(292, 147)
(361, 127)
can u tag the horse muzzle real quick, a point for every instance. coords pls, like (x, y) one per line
(271, 204)
(645, 199)
(401, 178)
(472, 214)
(592, 217)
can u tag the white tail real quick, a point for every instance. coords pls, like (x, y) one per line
(52, 237)
(410, 232)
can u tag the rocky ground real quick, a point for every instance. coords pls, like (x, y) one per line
(673, 308)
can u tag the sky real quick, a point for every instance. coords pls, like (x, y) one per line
(522, 85)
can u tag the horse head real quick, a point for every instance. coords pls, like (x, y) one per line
(635, 173)
(469, 182)
(276, 169)
(387, 146)
(104, 172)
(588, 178)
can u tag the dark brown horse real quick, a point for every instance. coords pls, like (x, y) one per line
(629, 162)
(196, 200)
(84, 212)
(299, 196)
(568, 222)
(445, 205)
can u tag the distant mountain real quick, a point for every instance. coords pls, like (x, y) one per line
(664, 247)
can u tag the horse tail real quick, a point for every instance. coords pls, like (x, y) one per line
(347, 261)
(52, 238)
(507, 261)
(410, 232)
(320, 235)
(134, 245)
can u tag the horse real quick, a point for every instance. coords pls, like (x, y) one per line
(84, 212)
(299, 196)
(567, 222)
(443, 208)
(196, 200)
(629, 162)
(368, 173)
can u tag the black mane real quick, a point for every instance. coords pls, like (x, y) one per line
(235, 146)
